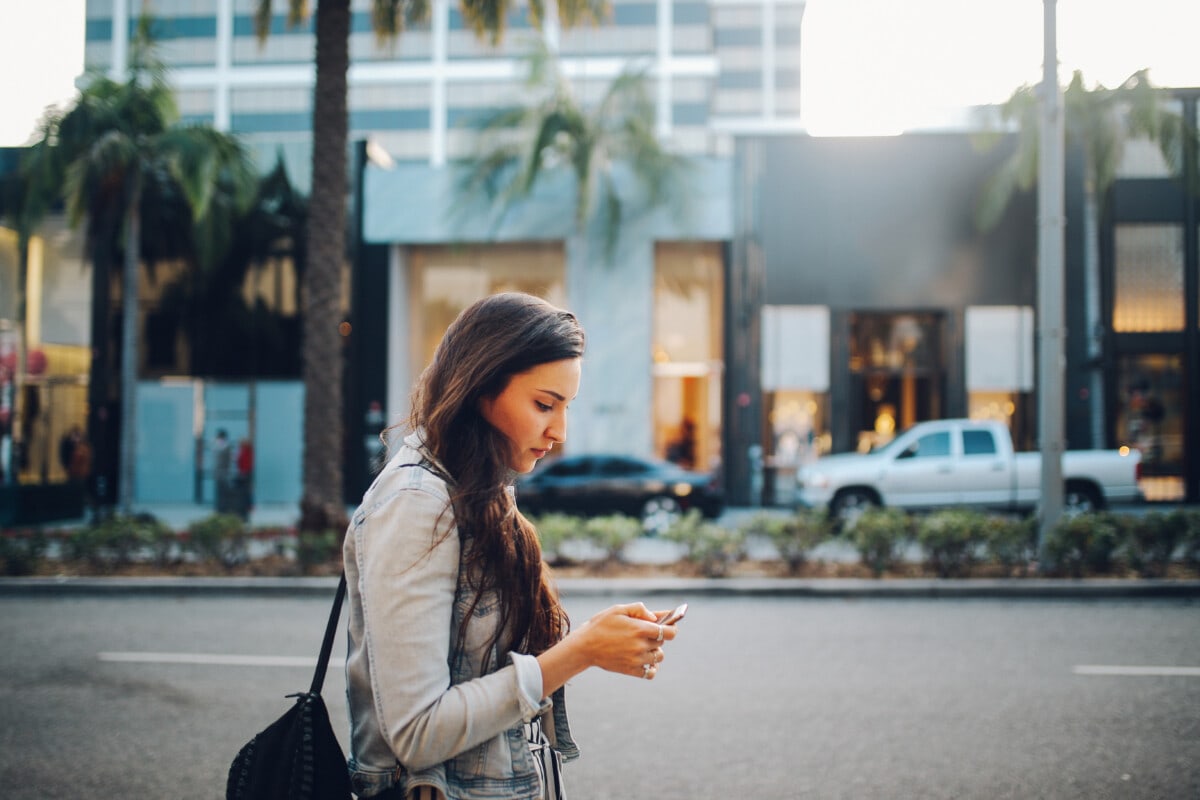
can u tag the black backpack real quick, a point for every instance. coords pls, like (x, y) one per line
(297, 757)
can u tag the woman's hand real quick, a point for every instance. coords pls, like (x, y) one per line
(624, 639)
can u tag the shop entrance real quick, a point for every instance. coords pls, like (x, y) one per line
(896, 374)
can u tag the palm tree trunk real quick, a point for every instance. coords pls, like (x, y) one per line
(129, 348)
(322, 347)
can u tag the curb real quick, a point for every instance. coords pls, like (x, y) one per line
(632, 588)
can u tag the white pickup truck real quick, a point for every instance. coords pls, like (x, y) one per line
(960, 462)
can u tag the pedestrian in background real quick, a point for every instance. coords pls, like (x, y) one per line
(458, 645)
(222, 470)
(244, 482)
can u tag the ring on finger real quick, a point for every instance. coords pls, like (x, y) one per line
(646, 670)
(660, 634)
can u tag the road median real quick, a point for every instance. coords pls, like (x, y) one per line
(635, 588)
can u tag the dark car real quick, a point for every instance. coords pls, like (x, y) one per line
(655, 491)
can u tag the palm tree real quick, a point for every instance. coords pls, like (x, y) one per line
(125, 155)
(322, 503)
(1102, 121)
(519, 144)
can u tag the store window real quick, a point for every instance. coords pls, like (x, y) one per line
(795, 382)
(895, 374)
(445, 280)
(687, 355)
(999, 368)
(1150, 418)
(1148, 294)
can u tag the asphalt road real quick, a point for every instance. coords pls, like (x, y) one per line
(762, 698)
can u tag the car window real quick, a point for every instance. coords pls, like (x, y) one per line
(929, 446)
(621, 466)
(978, 443)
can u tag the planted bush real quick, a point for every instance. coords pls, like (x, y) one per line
(1151, 540)
(1190, 539)
(220, 538)
(1084, 543)
(1011, 542)
(712, 548)
(950, 539)
(22, 551)
(793, 536)
(554, 530)
(879, 535)
(316, 548)
(612, 533)
(117, 540)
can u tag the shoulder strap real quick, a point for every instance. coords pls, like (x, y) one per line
(330, 631)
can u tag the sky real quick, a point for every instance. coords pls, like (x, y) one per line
(868, 67)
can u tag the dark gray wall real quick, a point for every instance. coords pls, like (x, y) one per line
(858, 223)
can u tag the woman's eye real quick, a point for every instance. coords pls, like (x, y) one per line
(543, 406)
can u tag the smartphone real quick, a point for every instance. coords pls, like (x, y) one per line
(674, 616)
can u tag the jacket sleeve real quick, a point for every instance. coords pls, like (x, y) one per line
(408, 574)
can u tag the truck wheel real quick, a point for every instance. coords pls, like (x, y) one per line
(849, 505)
(1079, 498)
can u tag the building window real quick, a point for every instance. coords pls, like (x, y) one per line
(687, 356)
(445, 280)
(999, 368)
(1151, 410)
(1148, 292)
(795, 380)
(895, 374)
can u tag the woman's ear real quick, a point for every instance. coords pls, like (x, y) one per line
(484, 407)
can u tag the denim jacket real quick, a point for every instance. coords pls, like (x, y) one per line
(419, 713)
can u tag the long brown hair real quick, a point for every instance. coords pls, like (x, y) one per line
(491, 341)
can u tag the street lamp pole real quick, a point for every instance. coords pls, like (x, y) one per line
(1051, 329)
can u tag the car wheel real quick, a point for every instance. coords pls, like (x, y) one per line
(849, 505)
(1080, 499)
(659, 514)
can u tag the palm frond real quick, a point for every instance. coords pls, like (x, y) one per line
(390, 17)
(101, 176)
(486, 17)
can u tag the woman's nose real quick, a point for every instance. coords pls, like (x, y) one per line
(558, 428)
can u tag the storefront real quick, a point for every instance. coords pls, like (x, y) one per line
(875, 301)
(1150, 295)
(654, 311)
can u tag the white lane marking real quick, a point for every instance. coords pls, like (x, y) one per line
(1095, 669)
(210, 658)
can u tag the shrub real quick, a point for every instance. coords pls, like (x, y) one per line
(1085, 542)
(612, 533)
(878, 535)
(1151, 540)
(1011, 542)
(1191, 537)
(710, 547)
(314, 549)
(110, 541)
(219, 537)
(555, 529)
(22, 551)
(158, 538)
(794, 536)
(949, 539)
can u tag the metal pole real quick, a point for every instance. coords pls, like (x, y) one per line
(1050, 285)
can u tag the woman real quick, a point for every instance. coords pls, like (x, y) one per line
(458, 645)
